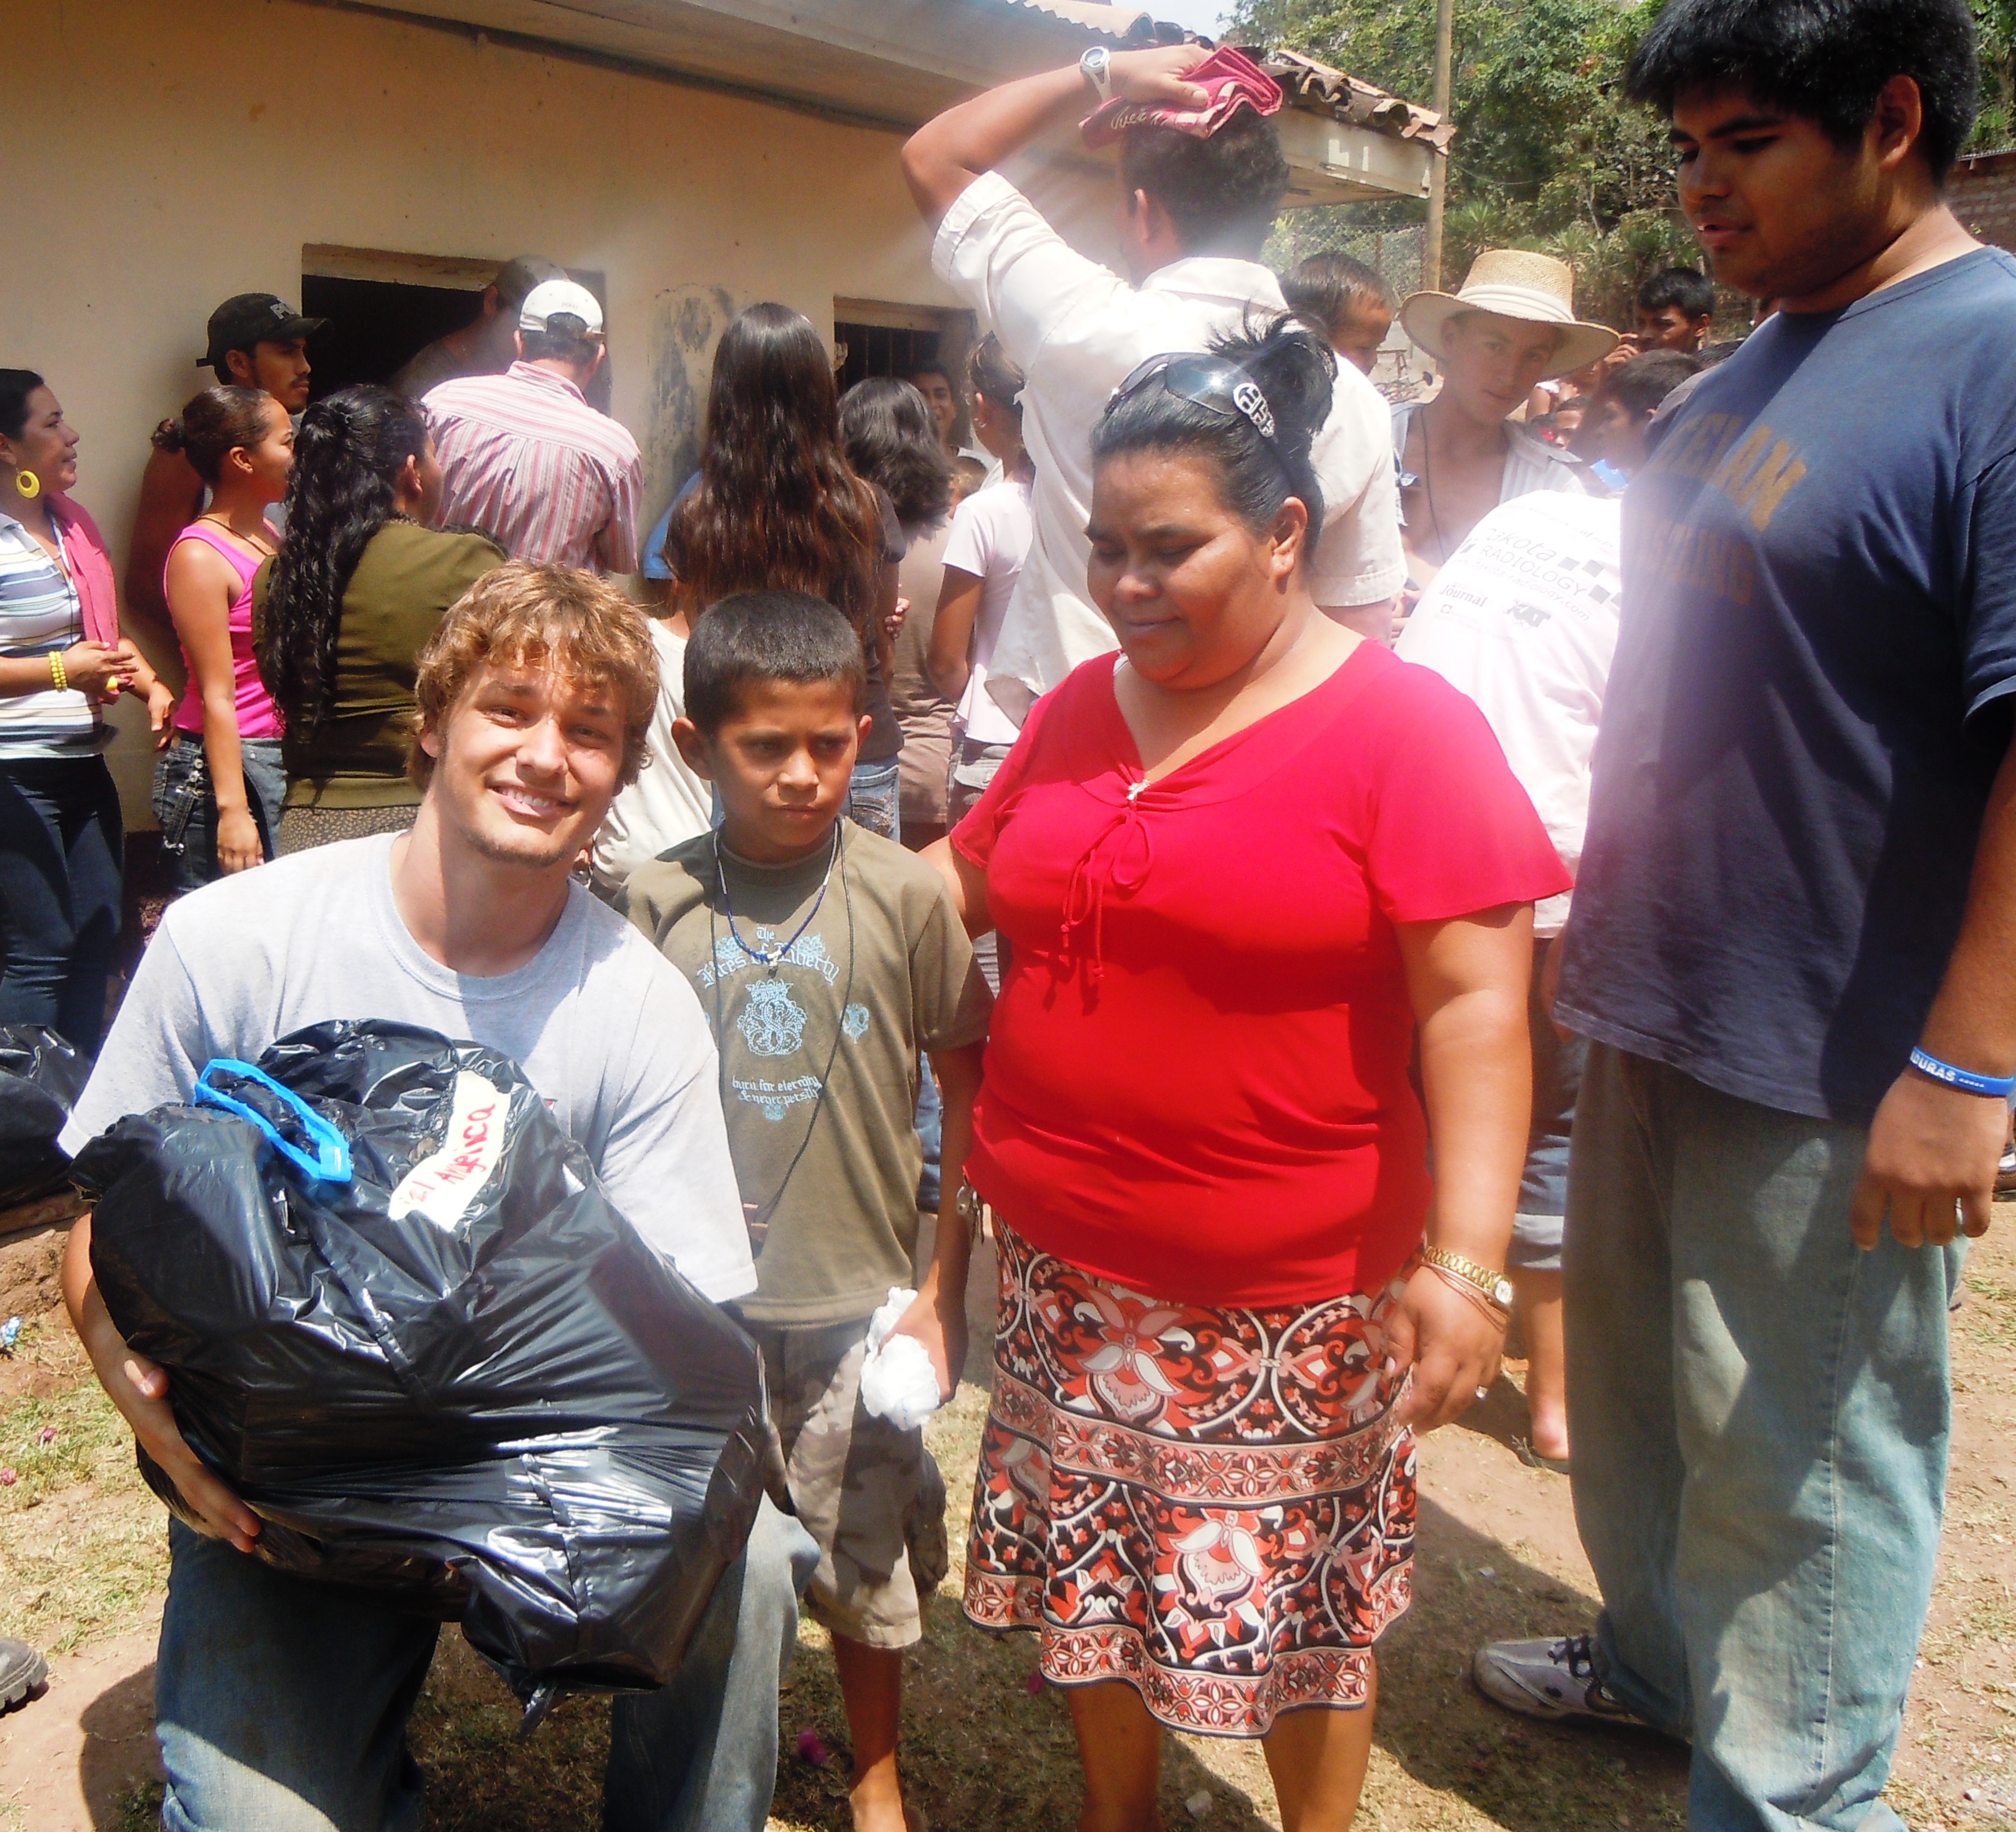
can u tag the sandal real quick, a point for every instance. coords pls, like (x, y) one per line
(1523, 1448)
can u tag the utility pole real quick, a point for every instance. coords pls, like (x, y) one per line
(1431, 243)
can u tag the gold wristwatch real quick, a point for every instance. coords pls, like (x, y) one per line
(1493, 1287)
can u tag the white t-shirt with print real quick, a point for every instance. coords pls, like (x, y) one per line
(611, 1035)
(990, 533)
(1523, 620)
(1077, 331)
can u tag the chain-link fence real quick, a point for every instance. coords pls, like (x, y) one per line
(1394, 254)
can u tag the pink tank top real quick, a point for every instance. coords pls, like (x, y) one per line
(257, 716)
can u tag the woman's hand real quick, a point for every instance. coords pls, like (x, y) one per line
(97, 670)
(937, 1318)
(160, 712)
(1453, 1343)
(238, 845)
(892, 625)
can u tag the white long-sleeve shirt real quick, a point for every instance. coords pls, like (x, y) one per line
(1077, 331)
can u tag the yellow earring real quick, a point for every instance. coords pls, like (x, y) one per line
(27, 484)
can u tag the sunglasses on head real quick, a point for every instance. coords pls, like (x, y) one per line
(1213, 383)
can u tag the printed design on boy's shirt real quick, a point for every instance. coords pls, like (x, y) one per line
(768, 1013)
(776, 1098)
(731, 958)
(773, 1023)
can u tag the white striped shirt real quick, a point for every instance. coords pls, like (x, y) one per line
(525, 458)
(39, 616)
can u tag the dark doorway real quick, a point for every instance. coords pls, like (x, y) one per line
(883, 350)
(374, 325)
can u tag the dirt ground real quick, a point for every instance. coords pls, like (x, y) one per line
(81, 1555)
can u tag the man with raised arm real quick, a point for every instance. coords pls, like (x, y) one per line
(1194, 210)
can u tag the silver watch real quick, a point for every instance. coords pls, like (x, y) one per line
(1097, 64)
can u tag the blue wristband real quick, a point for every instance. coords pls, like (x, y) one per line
(1994, 1087)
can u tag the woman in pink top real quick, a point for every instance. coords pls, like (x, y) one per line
(219, 787)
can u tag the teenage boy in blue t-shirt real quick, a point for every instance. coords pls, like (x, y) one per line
(1795, 929)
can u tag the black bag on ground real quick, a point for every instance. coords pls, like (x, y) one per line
(448, 1370)
(40, 1076)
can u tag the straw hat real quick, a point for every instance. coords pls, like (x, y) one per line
(1512, 283)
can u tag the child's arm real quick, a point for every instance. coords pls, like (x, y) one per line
(938, 1319)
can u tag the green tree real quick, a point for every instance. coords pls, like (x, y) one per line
(1548, 153)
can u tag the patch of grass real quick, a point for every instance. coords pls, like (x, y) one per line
(137, 1809)
(1990, 1314)
(482, 1775)
(83, 1544)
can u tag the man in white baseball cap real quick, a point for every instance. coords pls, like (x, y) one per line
(487, 344)
(525, 458)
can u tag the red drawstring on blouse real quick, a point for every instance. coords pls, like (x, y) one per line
(1118, 859)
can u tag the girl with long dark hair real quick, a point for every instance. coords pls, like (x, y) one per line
(776, 506)
(891, 439)
(62, 661)
(359, 584)
(219, 787)
(1219, 1262)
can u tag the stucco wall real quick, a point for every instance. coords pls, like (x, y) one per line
(187, 152)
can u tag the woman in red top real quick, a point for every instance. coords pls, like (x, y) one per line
(1242, 867)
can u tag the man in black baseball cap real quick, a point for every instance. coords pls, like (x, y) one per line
(256, 340)
(240, 325)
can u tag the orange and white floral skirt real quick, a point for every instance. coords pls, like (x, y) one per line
(1215, 1505)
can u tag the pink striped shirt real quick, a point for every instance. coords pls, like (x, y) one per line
(525, 458)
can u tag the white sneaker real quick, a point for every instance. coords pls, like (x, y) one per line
(1554, 1679)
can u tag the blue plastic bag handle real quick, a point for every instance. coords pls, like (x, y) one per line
(331, 1162)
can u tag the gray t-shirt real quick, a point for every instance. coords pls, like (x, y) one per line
(607, 1032)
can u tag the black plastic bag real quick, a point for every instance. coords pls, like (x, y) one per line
(451, 1373)
(40, 1076)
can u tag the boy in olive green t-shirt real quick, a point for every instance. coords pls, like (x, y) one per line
(826, 959)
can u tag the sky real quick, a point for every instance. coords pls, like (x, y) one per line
(1198, 15)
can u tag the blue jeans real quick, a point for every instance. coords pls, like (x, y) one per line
(1543, 1186)
(282, 1704)
(1760, 1414)
(186, 804)
(62, 850)
(875, 798)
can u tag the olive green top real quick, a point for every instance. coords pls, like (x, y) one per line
(406, 582)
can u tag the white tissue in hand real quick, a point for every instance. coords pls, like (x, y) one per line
(898, 1381)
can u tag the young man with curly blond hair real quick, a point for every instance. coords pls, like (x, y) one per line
(282, 1703)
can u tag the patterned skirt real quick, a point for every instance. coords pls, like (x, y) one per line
(1214, 1505)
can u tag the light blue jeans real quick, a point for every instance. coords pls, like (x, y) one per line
(1760, 1414)
(282, 1704)
(875, 798)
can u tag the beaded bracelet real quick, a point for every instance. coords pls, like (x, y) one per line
(57, 673)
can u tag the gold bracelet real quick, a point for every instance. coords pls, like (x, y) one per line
(1495, 1288)
(57, 674)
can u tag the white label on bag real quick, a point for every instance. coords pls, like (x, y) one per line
(442, 1185)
